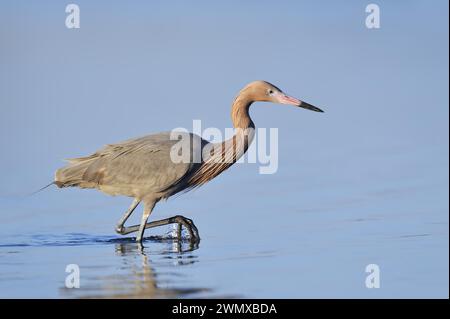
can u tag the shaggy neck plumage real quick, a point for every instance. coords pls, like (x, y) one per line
(222, 155)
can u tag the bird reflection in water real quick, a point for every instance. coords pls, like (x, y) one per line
(137, 278)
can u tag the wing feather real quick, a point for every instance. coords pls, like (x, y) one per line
(142, 163)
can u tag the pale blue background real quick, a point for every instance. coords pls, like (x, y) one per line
(365, 182)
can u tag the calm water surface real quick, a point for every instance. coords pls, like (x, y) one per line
(265, 240)
(364, 183)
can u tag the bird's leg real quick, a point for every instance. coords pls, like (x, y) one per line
(179, 230)
(188, 223)
(180, 220)
(121, 222)
(148, 207)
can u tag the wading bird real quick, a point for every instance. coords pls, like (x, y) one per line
(143, 168)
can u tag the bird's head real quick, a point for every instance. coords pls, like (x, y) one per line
(265, 92)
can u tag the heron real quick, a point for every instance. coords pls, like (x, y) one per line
(143, 168)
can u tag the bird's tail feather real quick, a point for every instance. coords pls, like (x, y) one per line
(41, 189)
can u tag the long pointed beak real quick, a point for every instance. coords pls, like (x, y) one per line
(309, 107)
(286, 99)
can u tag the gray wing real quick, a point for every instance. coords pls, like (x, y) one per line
(142, 164)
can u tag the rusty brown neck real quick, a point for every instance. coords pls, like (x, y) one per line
(240, 111)
(227, 152)
(242, 123)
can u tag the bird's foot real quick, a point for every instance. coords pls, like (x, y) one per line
(188, 224)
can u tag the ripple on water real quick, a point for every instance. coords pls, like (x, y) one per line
(79, 239)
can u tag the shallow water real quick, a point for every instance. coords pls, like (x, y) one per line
(316, 243)
(364, 183)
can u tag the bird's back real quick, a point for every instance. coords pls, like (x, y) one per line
(137, 167)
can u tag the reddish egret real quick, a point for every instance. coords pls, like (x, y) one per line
(143, 169)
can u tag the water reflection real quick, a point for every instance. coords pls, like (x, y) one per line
(135, 276)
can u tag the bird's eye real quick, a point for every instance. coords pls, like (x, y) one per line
(270, 92)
